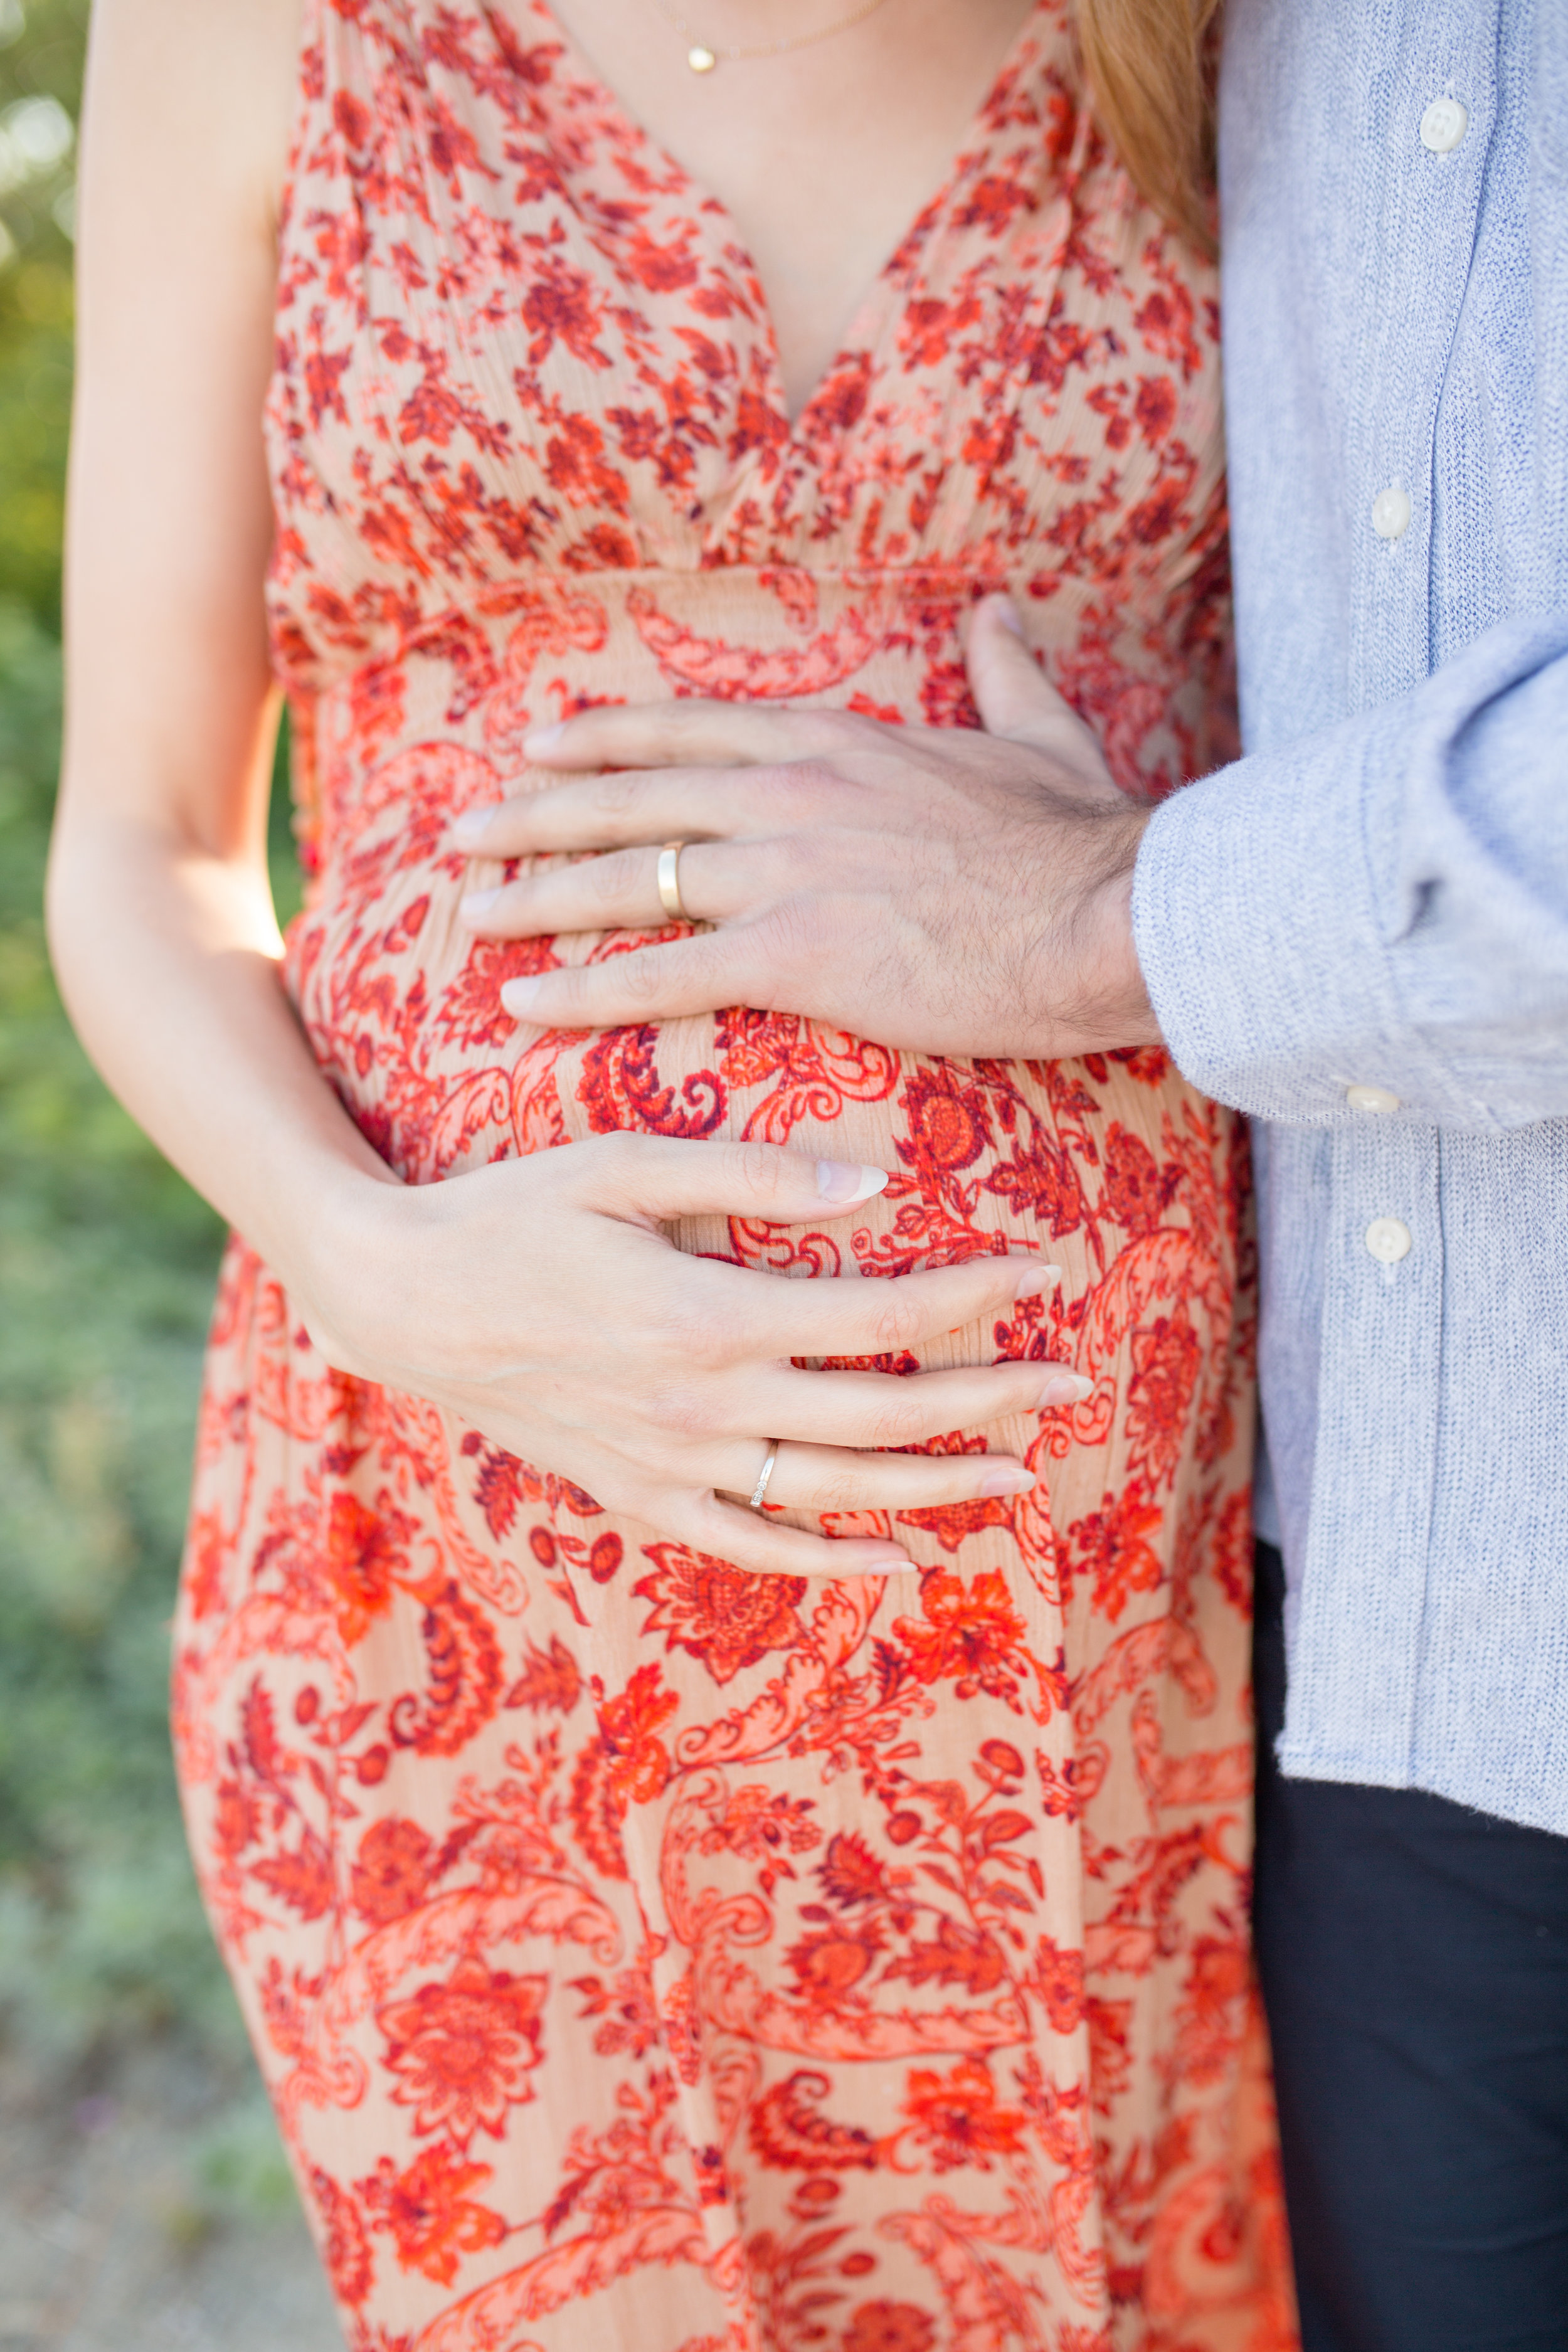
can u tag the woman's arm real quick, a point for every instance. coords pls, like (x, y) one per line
(537, 1299)
(161, 918)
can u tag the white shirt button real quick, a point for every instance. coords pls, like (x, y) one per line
(1391, 512)
(1443, 125)
(1371, 1098)
(1388, 1240)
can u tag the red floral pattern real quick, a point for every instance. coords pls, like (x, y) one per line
(639, 1951)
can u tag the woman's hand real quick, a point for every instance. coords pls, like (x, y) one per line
(939, 889)
(538, 1299)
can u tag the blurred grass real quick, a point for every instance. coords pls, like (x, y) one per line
(105, 1272)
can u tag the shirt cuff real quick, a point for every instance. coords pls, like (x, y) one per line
(1254, 919)
(1369, 907)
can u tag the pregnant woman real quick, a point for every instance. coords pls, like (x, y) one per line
(711, 1684)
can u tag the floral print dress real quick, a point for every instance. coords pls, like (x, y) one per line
(641, 1954)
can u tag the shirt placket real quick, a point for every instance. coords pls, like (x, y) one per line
(1430, 108)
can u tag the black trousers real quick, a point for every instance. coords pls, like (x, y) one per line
(1415, 1965)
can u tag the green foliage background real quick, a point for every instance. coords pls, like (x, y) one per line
(106, 1275)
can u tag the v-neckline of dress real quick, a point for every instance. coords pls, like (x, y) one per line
(864, 319)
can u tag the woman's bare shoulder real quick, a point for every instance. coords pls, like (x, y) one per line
(215, 85)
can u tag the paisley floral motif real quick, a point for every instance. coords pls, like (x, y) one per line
(637, 1951)
(463, 2050)
(721, 1616)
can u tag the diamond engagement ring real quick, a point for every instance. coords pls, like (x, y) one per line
(759, 1492)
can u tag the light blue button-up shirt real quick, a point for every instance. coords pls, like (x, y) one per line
(1358, 933)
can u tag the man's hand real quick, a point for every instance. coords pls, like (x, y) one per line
(937, 889)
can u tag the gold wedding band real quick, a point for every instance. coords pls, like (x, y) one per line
(760, 1491)
(669, 882)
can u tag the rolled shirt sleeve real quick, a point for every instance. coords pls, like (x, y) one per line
(1381, 905)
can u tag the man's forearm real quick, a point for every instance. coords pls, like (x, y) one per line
(1115, 1005)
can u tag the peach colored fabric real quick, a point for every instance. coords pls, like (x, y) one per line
(640, 1954)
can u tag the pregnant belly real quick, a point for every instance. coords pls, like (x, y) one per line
(1111, 1167)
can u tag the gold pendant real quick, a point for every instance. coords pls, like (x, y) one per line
(701, 59)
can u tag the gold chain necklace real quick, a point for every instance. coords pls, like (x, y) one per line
(701, 57)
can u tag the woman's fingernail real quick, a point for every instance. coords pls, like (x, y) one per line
(841, 1180)
(1007, 613)
(1009, 1482)
(1065, 1388)
(1035, 1279)
(473, 824)
(519, 996)
(476, 904)
(540, 739)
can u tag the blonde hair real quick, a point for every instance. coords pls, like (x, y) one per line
(1149, 65)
